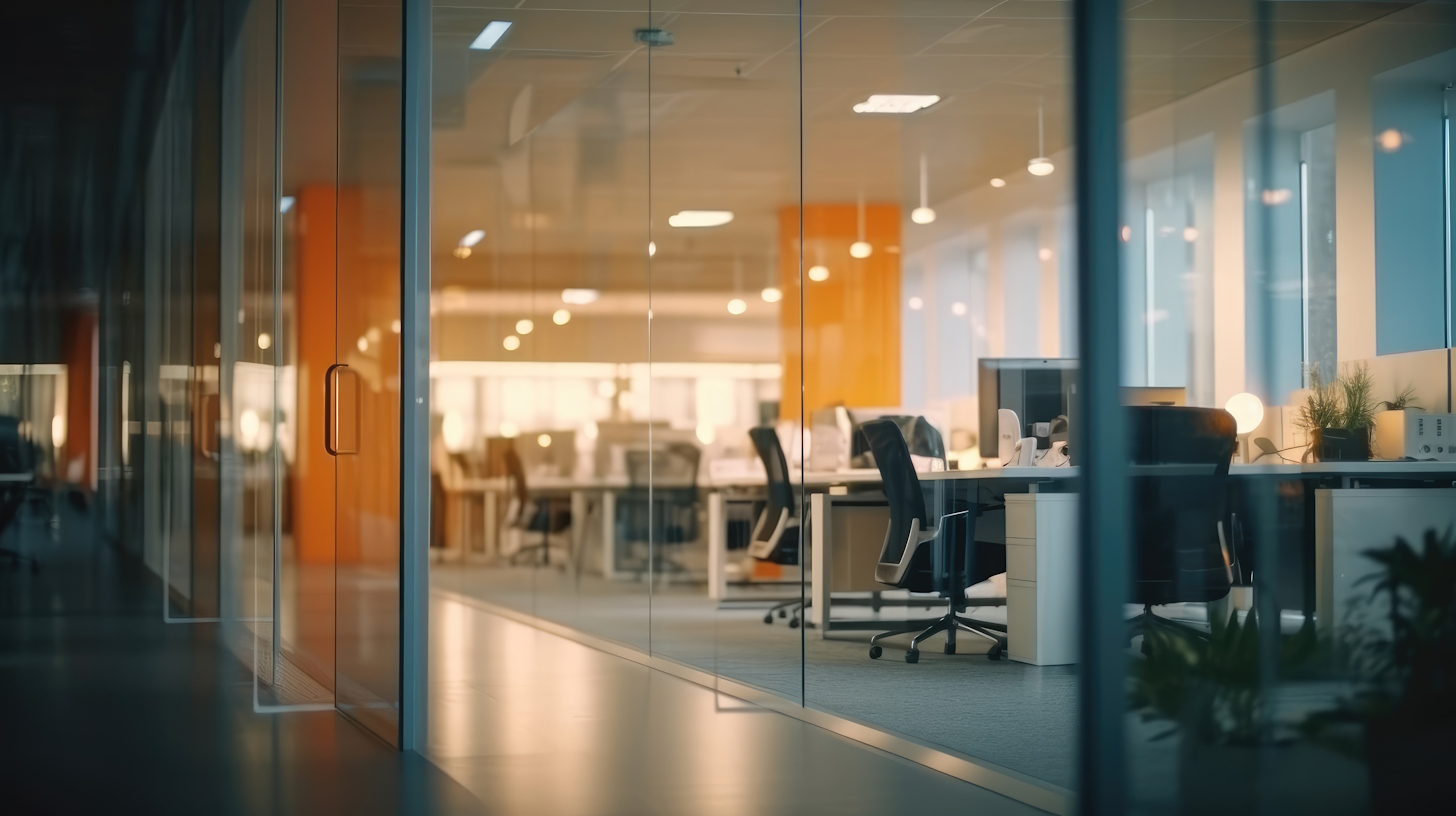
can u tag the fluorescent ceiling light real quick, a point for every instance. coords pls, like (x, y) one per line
(490, 35)
(472, 238)
(896, 103)
(579, 297)
(285, 204)
(700, 218)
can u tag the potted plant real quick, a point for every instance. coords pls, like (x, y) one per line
(1406, 666)
(1337, 415)
(1208, 689)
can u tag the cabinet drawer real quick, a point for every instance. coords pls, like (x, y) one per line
(1020, 561)
(1020, 518)
(1021, 623)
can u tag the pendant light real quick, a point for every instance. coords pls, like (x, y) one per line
(771, 292)
(923, 214)
(1041, 165)
(861, 248)
(737, 305)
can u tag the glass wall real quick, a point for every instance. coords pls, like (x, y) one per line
(756, 351)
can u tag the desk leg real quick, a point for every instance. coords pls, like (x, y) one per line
(490, 538)
(578, 531)
(717, 547)
(821, 511)
(609, 535)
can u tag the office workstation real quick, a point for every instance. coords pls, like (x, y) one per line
(698, 404)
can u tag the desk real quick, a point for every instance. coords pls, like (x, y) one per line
(581, 491)
(1041, 538)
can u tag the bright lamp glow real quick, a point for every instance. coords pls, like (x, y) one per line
(651, 248)
(700, 218)
(1040, 166)
(490, 35)
(771, 294)
(509, 430)
(958, 309)
(452, 428)
(916, 303)
(561, 317)
(511, 343)
(1247, 410)
(265, 341)
(362, 343)
(544, 440)
(736, 306)
(472, 238)
(922, 215)
(861, 249)
(998, 183)
(1044, 253)
(819, 274)
(896, 103)
(462, 252)
(525, 326)
(706, 433)
(579, 297)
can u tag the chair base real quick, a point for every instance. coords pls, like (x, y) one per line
(784, 609)
(950, 623)
(1146, 621)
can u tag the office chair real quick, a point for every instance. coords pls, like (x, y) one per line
(1180, 551)
(661, 503)
(922, 558)
(17, 478)
(776, 536)
(543, 515)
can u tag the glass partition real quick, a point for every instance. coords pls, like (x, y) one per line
(1268, 664)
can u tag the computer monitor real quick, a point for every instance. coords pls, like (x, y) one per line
(1154, 395)
(1037, 389)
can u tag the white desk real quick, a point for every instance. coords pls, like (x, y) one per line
(1041, 538)
(581, 491)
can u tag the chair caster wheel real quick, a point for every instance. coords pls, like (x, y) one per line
(768, 619)
(994, 653)
(793, 623)
(875, 652)
(912, 656)
(783, 613)
(950, 648)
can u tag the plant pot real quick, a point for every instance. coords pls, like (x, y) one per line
(1341, 444)
(1410, 765)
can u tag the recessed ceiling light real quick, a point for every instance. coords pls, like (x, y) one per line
(561, 317)
(819, 273)
(736, 306)
(490, 35)
(511, 343)
(861, 249)
(896, 103)
(472, 238)
(579, 297)
(772, 294)
(525, 325)
(700, 218)
(998, 183)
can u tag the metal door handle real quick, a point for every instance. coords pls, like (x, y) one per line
(341, 413)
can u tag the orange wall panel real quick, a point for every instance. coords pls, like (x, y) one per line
(850, 349)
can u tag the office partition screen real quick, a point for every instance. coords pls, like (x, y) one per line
(712, 283)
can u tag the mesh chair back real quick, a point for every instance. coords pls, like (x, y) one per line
(1178, 557)
(902, 486)
(780, 491)
(921, 439)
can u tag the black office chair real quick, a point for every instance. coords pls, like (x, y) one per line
(776, 536)
(923, 558)
(920, 437)
(17, 478)
(545, 515)
(1179, 483)
(661, 505)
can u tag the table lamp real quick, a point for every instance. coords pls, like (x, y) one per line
(1248, 412)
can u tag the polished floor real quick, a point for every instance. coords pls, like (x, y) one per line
(110, 709)
(534, 723)
(1004, 713)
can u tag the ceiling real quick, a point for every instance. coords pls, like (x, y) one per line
(561, 140)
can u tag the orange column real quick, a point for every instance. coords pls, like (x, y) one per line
(851, 319)
(313, 469)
